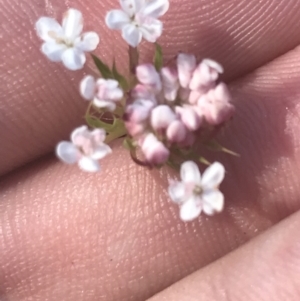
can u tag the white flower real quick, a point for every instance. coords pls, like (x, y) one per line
(66, 43)
(138, 19)
(195, 194)
(86, 148)
(104, 93)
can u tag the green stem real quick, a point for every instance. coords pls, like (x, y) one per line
(133, 58)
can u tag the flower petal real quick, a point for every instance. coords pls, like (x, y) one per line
(132, 6)
(109, 105)
(99, 135)
(132, 35)
(44, 25)
(73, 59)
(186, 64)
(109, 90)
(190, 210)
(79, 132)
(72, 23)
(88, 87)
(214, 65)
(116, 19)
(213, 201)
(53, 51)
(101, 151)
(109, 83)
(89, 42)
(189, 172)
(88, 164)
(155, 8)
(67, 152)
(213, 176)
(177, 191)
(152, 31)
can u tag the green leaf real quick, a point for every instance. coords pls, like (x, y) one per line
(158, 57)
(204, 161)
(103, 68)
(216, 146)
(118, 130)
(120, 78)
(118, 123)
(97, 123)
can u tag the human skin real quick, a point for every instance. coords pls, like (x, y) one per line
(68, 235)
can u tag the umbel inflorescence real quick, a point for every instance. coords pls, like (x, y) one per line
(163, 113)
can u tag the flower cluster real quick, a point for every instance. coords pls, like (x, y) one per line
(169, 107)
(159, 111)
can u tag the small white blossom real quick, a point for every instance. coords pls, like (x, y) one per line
(66, 43)
(138, 19)
(195, 194)
(104, 93)
(86, 148)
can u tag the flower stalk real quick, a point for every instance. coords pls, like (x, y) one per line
(133, 55)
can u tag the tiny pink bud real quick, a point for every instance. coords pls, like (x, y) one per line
(188, 141)
(222, 93)
(176, 132)
(155, 152)
(138, 111)
(205, 75)
(136, 116)
(214, 67)
(147, 75)
(142, 92)
(170, 83)
(189, 117)
(135, 129)
(216, 106)
(161, 117)
(186, 65)
(194, 97)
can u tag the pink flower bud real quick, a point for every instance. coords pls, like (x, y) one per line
(205, 75)
(216, 106)
(186, 65)
(189, 117)
(147, 75)
(194, 97)
(176, 132)
(188, 141)
(161, 117)
(170, 83)
(142, 92)
(222, 93)
(136, 116)
(135, 129)
(155, 152)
